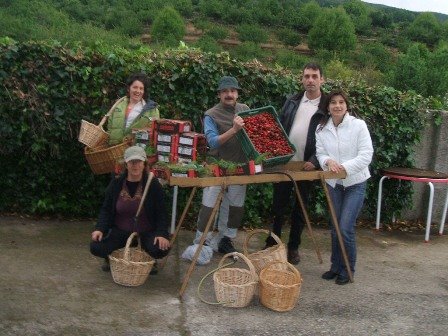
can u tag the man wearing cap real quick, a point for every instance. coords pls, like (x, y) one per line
(220, 127)
(116, 219)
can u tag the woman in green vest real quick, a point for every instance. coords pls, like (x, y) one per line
(134, 111)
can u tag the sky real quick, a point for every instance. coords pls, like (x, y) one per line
(437, 6)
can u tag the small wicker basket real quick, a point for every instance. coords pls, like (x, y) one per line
(280, 286)
(235, 287)
(130, 266)
(261, 258)
(102, 160)
(92, 135)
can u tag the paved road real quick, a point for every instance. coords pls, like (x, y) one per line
(50, 285)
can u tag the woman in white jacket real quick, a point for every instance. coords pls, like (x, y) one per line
(343, 143)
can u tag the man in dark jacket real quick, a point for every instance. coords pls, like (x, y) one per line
(299, 116)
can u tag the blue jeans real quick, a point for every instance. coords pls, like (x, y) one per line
(347, 202)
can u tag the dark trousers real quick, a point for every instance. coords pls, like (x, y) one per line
(281, 200)
(117, 238)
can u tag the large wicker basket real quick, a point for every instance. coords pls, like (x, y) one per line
(92, 135)
(280, 286)
(102, 160)
(130, 266)
(261, 258)
(235, 287)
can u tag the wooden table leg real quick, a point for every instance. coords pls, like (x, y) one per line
(334, 219)
(201, 242)
(307, 221)
(179, 225)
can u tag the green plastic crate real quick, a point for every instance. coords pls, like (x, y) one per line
(248, 147)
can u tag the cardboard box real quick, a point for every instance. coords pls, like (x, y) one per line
(192, 139)
(191, 173)
(194, 153)
(249, 168)
(161, 172)
(173, 126)
(144, 135)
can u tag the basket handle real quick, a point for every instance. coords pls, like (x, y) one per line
(128, 244)
(107, 115)
(222, 265)
(257, 231)
(288, 265)
(236, 255)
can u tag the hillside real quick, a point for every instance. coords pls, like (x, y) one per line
(282, 32)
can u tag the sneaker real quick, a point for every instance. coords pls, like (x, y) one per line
(293, 257)
(225, 246)
(106, 266)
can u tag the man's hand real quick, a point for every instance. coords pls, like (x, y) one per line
(238, 123)
(164, 244)
(309, 166)
(97, 235)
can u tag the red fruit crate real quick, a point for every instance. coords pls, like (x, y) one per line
(264, 134)
(192, 139)
(173, 126)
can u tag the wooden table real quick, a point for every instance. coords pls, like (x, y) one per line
(415, 175)
(289, 172)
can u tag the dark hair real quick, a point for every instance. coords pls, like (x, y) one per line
(336, 92)
(314, 66)
(141, 77)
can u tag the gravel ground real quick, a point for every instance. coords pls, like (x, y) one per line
(51, 285)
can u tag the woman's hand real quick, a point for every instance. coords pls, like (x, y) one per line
(334, 167)
(97, 235)
(164, 244)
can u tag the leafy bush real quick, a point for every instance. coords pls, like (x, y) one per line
(208, 44)
(288, 36)
(247, 51)
(251, 33)
(168, 27)
(332, 30)
(218, 32)
(56, 87)
(290, 59)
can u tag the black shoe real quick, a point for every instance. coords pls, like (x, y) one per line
(154, 269)
(225, 246)
(269, 242)
(342, 280)
(293, 257)
(329, 275)
(106, 266)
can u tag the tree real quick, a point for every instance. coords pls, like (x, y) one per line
(381, 18)
(426, 29)
(359, 13)
(168, 27)
(411, 70)
(333, 30)
(308, 13)
(438, 68)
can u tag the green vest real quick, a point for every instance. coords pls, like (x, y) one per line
(116, 121)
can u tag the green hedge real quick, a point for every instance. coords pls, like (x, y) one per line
(46, 89)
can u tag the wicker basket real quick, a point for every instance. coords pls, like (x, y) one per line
(235, 287)
(280, 288)
(92, 135)
(261, 258)
(130, 266)
(102, 160)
